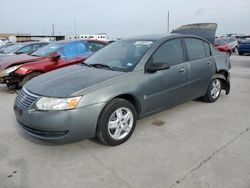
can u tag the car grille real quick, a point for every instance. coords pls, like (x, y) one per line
(24, 99)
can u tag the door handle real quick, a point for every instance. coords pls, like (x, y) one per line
(182, 70)
(209, 62)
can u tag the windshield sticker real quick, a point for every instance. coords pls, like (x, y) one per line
(143, 43)
(129, 64)
(53, 47)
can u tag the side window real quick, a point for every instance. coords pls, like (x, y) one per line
(207, 49)
(43, 44)
(26, 49)
(35, 47)
(94, 46)
(195, 48)
(170, 52)
(214, 51)
(74, 50)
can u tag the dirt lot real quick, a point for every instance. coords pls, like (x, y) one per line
(194, 145)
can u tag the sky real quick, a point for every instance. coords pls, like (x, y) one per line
(120, 18)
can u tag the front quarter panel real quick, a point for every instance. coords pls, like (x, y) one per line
(40, 66)
(132, 83)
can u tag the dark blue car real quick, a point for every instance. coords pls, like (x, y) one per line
(244, 47)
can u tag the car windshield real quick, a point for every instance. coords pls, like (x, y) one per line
(12, 48)
(121, 55)
(47, 50)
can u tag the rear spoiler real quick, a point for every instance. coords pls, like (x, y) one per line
(204, 30)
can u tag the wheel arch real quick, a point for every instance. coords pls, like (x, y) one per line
(131, 98)
(224, 76)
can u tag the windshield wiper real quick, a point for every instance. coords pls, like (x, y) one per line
(86, 64)
(102, 65)
(34, 55)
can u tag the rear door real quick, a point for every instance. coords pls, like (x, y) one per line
(170, 86)
(200, 63)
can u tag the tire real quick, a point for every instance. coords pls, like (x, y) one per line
(240, 53)
(213, 91)
(114, 127)
(12, 86)
(229, 53)
(236, 50)
(29, 77)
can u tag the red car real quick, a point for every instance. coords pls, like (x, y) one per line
(222, 46)
(15, 71)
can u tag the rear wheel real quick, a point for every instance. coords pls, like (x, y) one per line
(236, 50)
(240, 53)
(213, 91)
(29, 77)
(116, 122)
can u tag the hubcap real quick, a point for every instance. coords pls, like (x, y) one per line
(216, 87)
(120, 123)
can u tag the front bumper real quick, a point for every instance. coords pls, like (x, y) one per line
(10, 79)
(59, 126)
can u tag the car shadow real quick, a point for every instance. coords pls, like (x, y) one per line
(51, 143)
(4, 89)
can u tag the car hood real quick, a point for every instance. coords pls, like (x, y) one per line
(8, 61)
(66, 81)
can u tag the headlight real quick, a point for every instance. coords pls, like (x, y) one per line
(48, 103)
(11, 69)
(7, 71)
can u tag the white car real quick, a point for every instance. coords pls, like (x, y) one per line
(232, 42)
(1, 43)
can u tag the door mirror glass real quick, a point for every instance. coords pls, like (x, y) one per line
(55, 57)
(157, 67)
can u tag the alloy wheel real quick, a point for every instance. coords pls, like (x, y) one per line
(120, 123)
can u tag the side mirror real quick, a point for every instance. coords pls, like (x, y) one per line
(157, 67)
(17, 53)
(55, 57)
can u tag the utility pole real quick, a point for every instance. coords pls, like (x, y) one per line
(53, 29)
(75, 26)
(168, 22)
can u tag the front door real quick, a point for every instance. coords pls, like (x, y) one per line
(170, 86)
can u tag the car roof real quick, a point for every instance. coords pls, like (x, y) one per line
(32, 42)
(158, 37)
(75, 40)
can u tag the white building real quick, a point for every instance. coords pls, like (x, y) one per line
(102, 36)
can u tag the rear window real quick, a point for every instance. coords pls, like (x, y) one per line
(195, 48)
(219, 42)
(207, 49)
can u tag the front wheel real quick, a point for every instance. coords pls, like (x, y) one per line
(213, 91)
(116, 122)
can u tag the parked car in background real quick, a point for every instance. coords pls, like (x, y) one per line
(2, 48)
(244, 47)
(223, 46)
(22, 48)
(126, 80)
(232, 42)
(15, 71)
